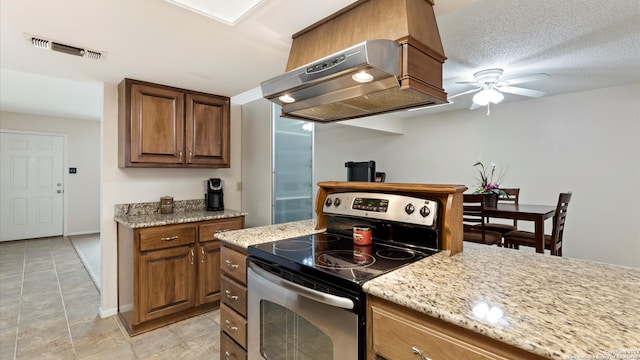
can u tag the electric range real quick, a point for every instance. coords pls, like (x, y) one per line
(315, 281)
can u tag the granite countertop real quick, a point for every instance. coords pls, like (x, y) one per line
(261, 234)
(559, 308)
(157, 219)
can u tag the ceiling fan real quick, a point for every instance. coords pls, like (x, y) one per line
(491, 88)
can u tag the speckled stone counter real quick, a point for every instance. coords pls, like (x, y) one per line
(558, 308)
(140, 215)
(261, 234)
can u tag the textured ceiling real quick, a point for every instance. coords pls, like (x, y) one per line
(581, 44)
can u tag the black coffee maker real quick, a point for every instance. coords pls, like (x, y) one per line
(213, 194)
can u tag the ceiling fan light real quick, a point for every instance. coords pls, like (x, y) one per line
(495, 96)
(484, 97)
(481, 98)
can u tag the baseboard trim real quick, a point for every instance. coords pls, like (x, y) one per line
(108, 312)
(83, 233)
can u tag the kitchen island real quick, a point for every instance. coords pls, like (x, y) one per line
(553, 307)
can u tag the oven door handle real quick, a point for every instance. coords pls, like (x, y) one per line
(328, 299)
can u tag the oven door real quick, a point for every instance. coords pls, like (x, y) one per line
(287, 321)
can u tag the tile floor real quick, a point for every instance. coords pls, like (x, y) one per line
(49, 310)
(88, 249)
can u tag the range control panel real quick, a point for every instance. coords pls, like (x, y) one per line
(383, 206)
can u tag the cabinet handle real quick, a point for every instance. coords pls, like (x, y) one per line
(190, 156)
(231, 265)
(193, 256)
(230, 295)
(180, 155)
(223, 230)
(419, 352)
(170, 238)
(230, 326)
(227, 355)
(202, 252)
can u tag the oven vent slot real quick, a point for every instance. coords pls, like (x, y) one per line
(40, 42)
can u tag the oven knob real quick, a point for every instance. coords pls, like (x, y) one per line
(409, 209)
(424, 211)
(337, 202)
(328, 202)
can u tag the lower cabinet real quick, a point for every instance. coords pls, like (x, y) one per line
(209, 271)
(167, 282)
(397, 333)
(169, 273)
(233, 310)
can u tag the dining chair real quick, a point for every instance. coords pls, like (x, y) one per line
(473, 220)
(552, 242)
(513, 195)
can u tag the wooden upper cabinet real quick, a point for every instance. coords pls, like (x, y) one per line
(162, 126)
(207, 130)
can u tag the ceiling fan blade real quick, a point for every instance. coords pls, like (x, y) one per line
(521, 91)
(464, 93)
(522, 79)
(474, 106)
(467, 82)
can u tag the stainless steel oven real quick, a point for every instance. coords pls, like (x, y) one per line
(291, 321)
(305, 298)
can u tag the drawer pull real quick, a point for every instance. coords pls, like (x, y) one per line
(231, 265)
(223, 230)
(419, 352)
(230, 295)
(230, 326)
(193, 256)
(202, 259)
(170, 238)
(227, 355)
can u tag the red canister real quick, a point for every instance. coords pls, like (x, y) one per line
(362, 235)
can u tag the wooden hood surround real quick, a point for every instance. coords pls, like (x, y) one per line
(449, 197)
(410, 23)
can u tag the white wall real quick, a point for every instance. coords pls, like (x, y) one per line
(586, 142)
(82, 151)
(133, 185)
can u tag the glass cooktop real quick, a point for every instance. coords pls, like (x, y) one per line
(327, 256)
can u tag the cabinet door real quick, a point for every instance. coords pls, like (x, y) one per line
(209, 272)
(167, 282)
(157, 118)
(207, 131)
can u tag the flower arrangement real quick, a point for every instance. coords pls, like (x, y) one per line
(486, 183)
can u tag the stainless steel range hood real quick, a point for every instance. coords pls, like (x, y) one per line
(328, 89)
(401, 52)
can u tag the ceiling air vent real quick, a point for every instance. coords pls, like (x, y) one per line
(48, 44)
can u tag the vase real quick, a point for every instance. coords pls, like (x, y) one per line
(490, 200)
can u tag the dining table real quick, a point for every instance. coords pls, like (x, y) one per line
(536, 213)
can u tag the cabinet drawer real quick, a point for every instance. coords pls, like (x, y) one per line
(234, 264)
(166, 236)
(233, 325)
(395, 336)
(208, 230)
(229, 350)
(234, 295)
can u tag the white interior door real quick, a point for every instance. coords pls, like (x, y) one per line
(31, 188)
